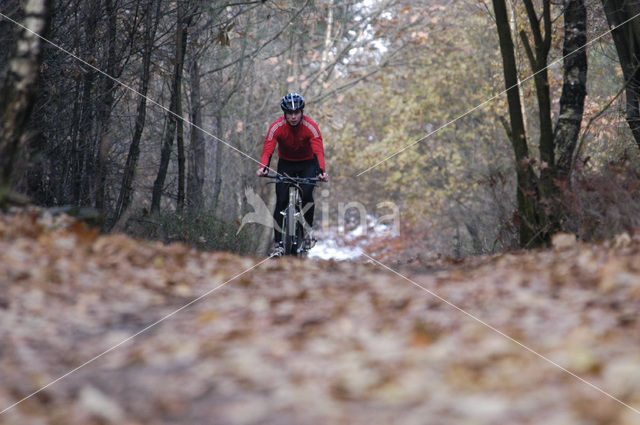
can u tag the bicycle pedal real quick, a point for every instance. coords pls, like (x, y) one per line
(276, 251)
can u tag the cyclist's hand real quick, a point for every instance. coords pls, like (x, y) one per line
(262, 172)
(324, 177)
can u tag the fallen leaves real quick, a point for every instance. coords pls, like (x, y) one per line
(310, 342)
(562, 241)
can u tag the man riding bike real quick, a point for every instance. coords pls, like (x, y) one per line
(301, 154)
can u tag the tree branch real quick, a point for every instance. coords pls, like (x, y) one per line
(599, 114)
(534, 22)
(266, 43)
(528, 50)
(546, 16)
(348, 84)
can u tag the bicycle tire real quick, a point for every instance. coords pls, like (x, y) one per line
(299, 240)
(287, 237)
(289, 224)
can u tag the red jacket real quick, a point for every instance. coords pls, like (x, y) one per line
(297, 143)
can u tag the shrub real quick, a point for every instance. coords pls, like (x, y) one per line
(604, 203)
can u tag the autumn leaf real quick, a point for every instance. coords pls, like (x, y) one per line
(260, 345)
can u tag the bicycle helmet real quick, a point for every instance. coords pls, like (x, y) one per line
(292, 102)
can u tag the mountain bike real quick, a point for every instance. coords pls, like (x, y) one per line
(294, 227)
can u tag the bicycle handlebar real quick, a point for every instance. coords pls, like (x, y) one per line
(286, 179)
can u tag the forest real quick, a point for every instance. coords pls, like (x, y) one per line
(483, 159)
(152, 114)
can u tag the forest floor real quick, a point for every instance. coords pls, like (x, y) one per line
(105, 329)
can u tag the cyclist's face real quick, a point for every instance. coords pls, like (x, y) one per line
(293, 118)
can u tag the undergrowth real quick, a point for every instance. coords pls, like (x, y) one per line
(601, 204)
(203, 231)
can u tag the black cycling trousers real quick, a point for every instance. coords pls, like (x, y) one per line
(307, 168)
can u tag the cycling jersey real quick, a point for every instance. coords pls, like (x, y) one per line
(297, 143)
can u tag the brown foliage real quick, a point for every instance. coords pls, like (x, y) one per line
(310, 342)
(602, 204)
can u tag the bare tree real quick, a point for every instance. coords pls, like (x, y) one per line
(195, 169)
(574, 87)
(515, 130)
(622, 16)
(16, 93)
(175, 107)
(539, 203)
(126, 189)
(105, 106)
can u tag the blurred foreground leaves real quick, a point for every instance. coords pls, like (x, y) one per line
(294, 342)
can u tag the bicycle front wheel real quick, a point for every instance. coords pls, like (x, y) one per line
(288, 232)
(289, 224)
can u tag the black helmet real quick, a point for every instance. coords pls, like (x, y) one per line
(292, 102)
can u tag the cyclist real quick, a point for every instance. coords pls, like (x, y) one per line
(300, 153)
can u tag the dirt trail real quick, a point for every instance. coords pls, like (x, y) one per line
(310, 342)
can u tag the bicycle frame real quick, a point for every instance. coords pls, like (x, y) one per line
(293, 223)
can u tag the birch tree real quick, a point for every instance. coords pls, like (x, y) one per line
(539, 197)
(16, 93)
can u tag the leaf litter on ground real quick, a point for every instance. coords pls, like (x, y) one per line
(310, 342)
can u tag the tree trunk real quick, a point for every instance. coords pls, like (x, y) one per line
(626, 37)
(526, 194)
(85, 149)
(538, 59)
(217, 182)
(105, 106)
(65, 192)
(173, 115)
(327, 36)
(513, 22)
(574, 87)
(195, 180)
(126, 189)
(180, 124)
(181, 156)
(16, 93)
